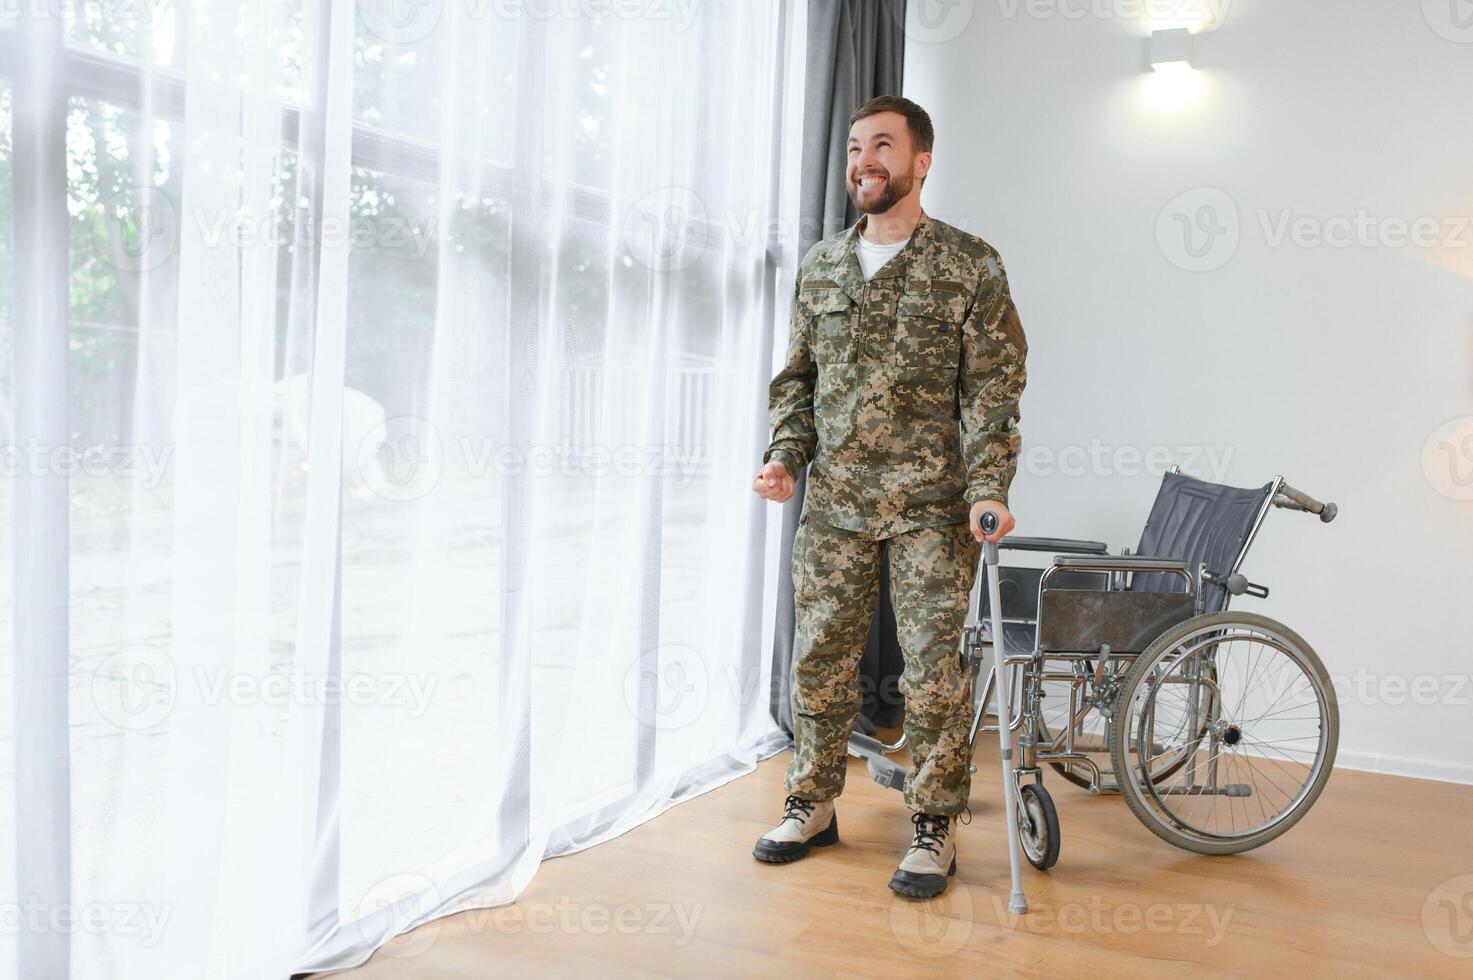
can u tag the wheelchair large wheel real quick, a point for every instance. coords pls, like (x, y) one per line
(1242, 724)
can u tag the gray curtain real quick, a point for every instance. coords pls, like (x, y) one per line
(856, 51)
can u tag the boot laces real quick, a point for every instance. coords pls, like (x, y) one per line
(931, 831)
(796, 809)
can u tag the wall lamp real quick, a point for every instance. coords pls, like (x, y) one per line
(1171, 50)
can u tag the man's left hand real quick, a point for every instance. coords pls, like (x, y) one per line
(1005, 522)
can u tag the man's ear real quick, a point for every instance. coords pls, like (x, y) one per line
(922, 165)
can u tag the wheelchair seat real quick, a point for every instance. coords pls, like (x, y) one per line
(1018, 589)
(1020, 636)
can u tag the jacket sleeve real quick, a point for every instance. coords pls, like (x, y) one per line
(992, 377)
(790, 398)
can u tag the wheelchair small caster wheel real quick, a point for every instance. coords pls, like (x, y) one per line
(1038, 826)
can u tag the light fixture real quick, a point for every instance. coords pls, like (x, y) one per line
(1171, 50)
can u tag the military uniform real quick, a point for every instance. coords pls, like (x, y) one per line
(902, 392)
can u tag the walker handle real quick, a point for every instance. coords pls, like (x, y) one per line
(988, 523)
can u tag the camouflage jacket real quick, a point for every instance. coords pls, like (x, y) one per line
(880, 373)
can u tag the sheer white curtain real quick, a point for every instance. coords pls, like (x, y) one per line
(376, 505)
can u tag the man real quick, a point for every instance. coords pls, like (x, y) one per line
(902, 328)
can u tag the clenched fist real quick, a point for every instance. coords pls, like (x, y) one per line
(774, 482)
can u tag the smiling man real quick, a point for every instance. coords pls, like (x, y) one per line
(904, 369)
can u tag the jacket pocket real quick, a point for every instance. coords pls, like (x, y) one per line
(928, 325)
(831, 310)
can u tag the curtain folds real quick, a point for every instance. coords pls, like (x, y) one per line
(396, 415)
(855, 51)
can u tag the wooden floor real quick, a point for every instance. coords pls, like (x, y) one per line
(1377, 880)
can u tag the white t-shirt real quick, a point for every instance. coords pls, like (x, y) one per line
(873, 257)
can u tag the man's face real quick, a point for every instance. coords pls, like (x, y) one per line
(882, 168)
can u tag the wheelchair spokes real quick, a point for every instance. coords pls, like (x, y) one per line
(1176, 743)
(1242, 727)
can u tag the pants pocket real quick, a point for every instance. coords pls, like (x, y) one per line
(969, 565)
(799, 566)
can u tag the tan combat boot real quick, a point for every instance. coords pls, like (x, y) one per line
(929, 861)
(805, 824)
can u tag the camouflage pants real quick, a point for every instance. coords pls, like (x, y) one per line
(836, 580)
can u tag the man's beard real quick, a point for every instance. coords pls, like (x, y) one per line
(895, 188)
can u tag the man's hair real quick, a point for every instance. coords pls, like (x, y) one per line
(917, 120)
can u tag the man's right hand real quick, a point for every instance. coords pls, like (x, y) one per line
(774, 482)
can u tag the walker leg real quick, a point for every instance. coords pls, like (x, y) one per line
(1017, 902)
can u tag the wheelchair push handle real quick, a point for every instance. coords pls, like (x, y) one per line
(1291, 499)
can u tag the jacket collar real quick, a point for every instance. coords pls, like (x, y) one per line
(906, 263)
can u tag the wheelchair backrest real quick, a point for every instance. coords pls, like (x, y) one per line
(1199, 522)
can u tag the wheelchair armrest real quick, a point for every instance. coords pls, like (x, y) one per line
(1053, 544)
(1121, 563)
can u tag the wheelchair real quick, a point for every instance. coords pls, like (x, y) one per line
(1128, 674)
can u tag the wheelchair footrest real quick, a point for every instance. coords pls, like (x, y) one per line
(886, 773)
(881, 769)
(1229, 789)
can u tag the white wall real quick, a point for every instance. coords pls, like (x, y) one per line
(1331, 365)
